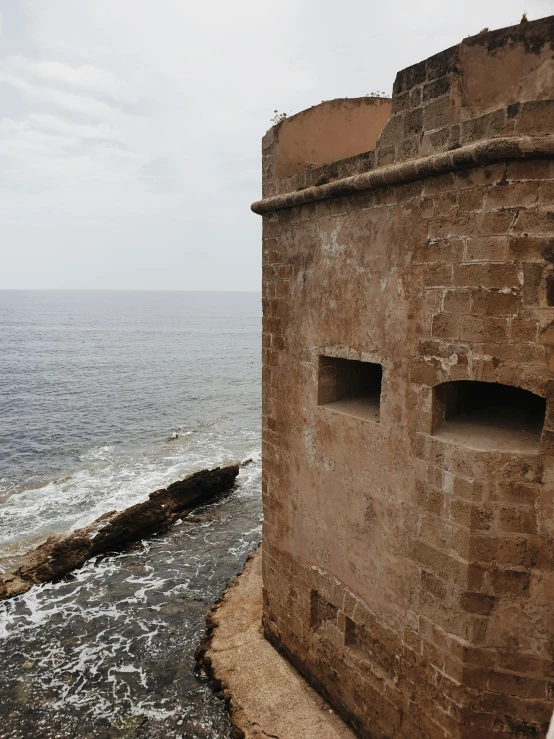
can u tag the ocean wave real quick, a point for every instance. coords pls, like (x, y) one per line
(109, 642)
(112, 481)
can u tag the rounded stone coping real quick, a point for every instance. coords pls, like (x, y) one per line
(481, 152)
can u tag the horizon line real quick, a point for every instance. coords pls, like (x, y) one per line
(117, 289)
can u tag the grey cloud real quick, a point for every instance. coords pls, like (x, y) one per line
(130, 130)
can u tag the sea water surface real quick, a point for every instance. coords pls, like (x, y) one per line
(105, 397)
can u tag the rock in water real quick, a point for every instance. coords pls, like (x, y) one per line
(61, 554)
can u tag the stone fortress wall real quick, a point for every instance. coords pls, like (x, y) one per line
(408, 394)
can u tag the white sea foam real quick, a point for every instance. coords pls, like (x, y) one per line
(112, 396)
(111, 482)
(90, 642)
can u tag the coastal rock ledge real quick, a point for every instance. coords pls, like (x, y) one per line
(265, 694)
(61, 554)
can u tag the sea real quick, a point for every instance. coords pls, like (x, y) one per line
(104, 398)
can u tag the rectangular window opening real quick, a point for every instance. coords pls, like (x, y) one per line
(321, 611)
(365, 647)
(351, 387)
(550, 290)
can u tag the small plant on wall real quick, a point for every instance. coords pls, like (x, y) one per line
(278, 117)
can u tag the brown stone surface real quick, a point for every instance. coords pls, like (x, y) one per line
(268, 698)
(308, 139)
(408, 564)
(61, 554)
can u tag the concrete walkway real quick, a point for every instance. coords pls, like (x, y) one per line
(268, 697)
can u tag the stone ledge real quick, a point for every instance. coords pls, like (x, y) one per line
(477, 154)
(266, 696)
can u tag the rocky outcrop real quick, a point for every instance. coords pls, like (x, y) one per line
(61, 554)
(266, 696)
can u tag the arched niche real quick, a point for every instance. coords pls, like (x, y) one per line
(488, 416)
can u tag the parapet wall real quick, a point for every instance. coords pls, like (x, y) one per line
(490, 85)
(494, 85)
(408, 404)
(309, 139)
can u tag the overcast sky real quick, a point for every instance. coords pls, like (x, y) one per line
(130, 129)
